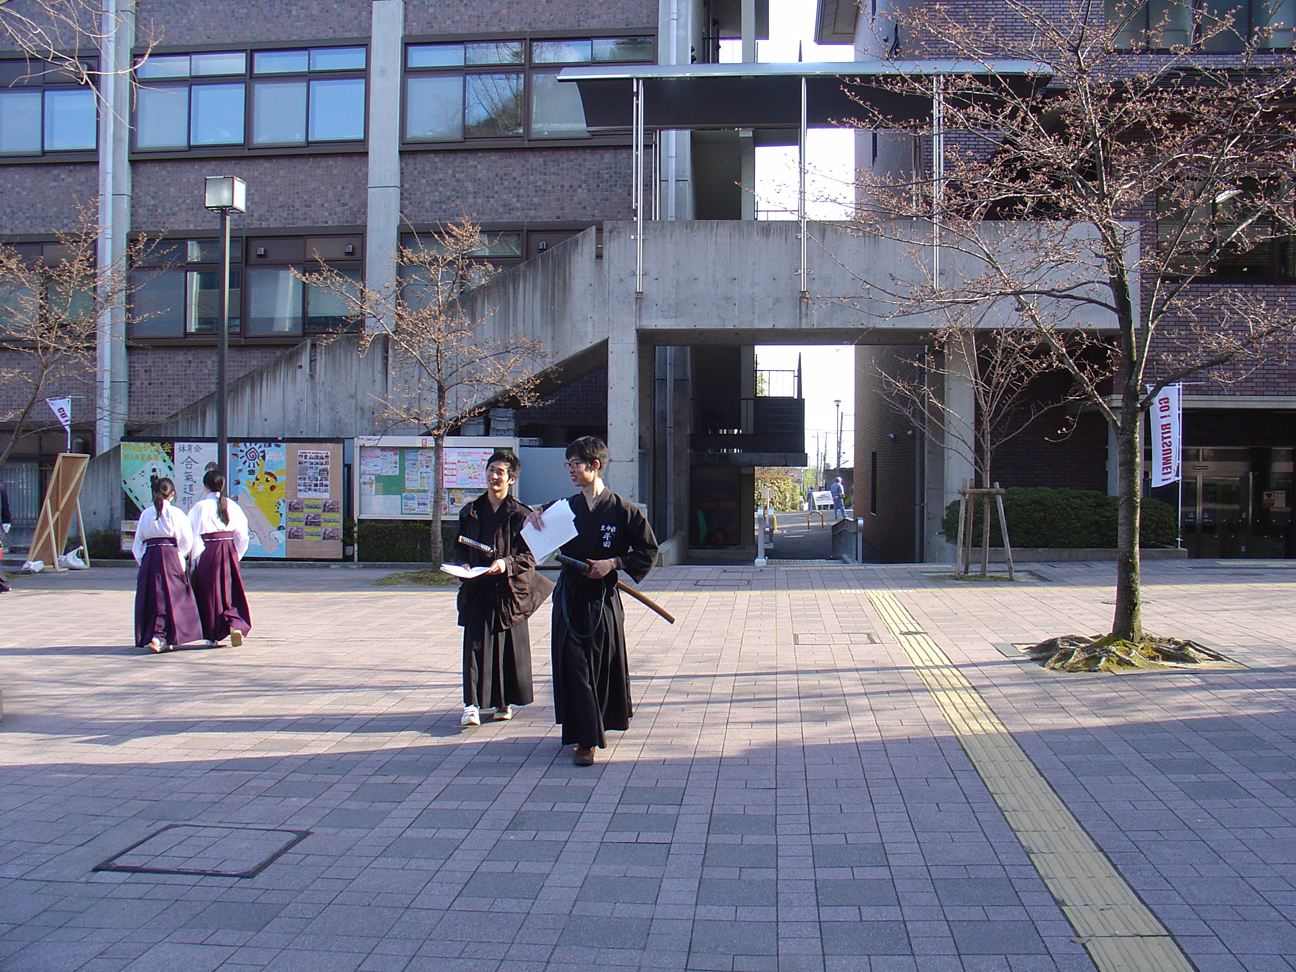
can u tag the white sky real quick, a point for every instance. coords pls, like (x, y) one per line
(827, 372)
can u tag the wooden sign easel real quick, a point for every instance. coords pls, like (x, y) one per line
(963, 555)
(62, 500)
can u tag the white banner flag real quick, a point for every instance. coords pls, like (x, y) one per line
(1166, 436)
(63, 409)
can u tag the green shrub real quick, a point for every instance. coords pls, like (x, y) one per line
(105, 545)
(786, 495)
(1039, 517)
(402, 541)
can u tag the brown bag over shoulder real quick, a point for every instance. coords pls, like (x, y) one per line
(527, 592)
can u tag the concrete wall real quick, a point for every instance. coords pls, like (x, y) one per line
(315, 389)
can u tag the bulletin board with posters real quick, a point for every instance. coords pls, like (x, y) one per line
(291, 491)
(394, 475)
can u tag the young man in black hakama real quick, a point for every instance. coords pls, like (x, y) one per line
(591, 672)
(493, 608)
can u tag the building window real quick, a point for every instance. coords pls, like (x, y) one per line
(1204, 231)
(293, 97)
(1208, 25)
(456, 92)
(178, 293)
(43, 110)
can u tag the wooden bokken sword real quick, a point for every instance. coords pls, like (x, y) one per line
(583, 567)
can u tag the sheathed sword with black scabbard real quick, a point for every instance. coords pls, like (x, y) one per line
(584, 566)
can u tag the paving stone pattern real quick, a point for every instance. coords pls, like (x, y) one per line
(788, 797)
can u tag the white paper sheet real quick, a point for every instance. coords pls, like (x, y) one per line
(458, 570)
(559, 527)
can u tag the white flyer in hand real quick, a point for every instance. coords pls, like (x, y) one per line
(559, 527)
(459, 570)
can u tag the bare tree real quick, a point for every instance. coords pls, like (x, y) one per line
(52, 307)
(1113, 195)
(443, 368)
(1001, 367)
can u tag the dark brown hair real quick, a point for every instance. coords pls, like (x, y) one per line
(215, 483)
(587, 449)
(163, 489)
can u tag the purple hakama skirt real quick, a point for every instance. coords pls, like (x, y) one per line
(164, 604)
(218, 589)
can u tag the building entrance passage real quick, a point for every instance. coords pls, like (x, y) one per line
(1237, 503)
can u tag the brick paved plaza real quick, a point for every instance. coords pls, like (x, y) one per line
(820, 775)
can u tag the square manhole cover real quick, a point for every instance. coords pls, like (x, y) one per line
(241, 852)
(839, 637)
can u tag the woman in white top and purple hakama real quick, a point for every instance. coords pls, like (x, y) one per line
(165, 613)
(220, 541)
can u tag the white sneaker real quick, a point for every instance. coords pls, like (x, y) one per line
(504, 714)
(471, 716)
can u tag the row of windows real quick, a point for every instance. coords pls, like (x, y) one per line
(285, 98)
(291, 98)
(460, 91)
(1209, 25)
(176, 290)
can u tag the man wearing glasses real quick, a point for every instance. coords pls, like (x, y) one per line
(591, 673)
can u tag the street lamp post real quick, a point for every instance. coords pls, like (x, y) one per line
(224, 195)
(837, 402)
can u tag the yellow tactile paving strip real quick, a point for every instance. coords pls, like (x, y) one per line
(1117, 929)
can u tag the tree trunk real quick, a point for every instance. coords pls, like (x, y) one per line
(1127, 622)
(438, 495)
(985, 536)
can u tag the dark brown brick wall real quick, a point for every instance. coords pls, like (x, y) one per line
(184, 22)
(63, 380)
(1041, 457)
(517, 184)
(283, 192)
(480, 16)
(164, 380)
(44, 198)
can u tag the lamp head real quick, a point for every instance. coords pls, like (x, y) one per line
(225, 193)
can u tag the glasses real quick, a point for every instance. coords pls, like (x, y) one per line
(574, 465)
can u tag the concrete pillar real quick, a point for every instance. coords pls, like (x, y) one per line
(623, 406)
(113, 385)
(749, 31)
(382, 225)
(954, 465)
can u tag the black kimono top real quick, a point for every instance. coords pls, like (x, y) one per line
(613, 528)
(501, 530)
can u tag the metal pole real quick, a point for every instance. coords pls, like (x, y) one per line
(638, 168)
(801, 195)
(222, 350)
(938, 172)
(1179, 511)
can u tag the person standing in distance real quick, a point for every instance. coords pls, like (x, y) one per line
(838, 493)
(591, 674)
(165, 613)
(493, 608)
(220, 541)
(6, 521)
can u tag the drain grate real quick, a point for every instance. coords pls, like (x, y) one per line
(241, 852)
(826, 638)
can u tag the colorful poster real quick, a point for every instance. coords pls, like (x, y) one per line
(192, 460)
(258, 483)
(313, 473)
(379, 461)
(140, 463)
